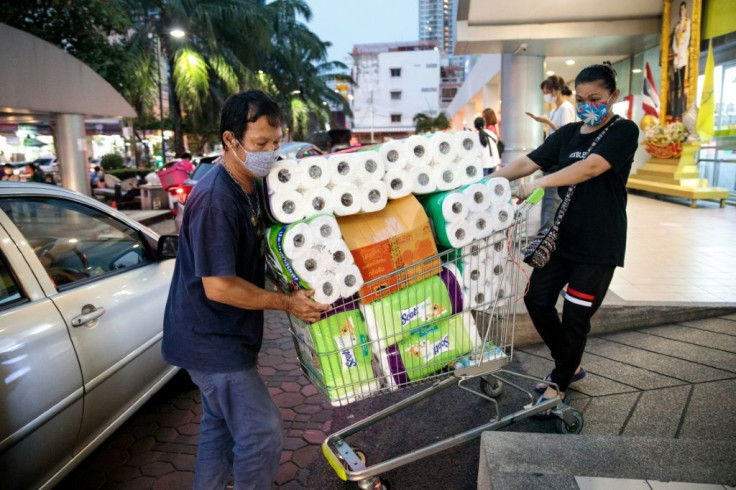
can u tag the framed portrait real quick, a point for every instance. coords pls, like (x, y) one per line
(680, 54)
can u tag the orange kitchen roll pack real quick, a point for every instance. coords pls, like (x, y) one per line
(388, 240)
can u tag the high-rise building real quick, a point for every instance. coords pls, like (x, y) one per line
(437, 23)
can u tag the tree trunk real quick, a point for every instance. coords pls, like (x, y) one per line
(175, 112)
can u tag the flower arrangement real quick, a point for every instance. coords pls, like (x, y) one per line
(665, 141)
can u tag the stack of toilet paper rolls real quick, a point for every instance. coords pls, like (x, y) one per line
(311, 254)
(361, 182)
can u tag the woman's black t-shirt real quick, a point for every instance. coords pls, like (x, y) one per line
(593, 230)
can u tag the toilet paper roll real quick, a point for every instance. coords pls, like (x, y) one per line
(308, 266)
(455, 207)
(499, 189)
(345, 199)
(501, 217)
(479, 197)
(298, 238)
(326, 289)
(482, 225)
(473, 277)
(447, 176)
(467, 144)
(324, 228)
(345, 168)
(418, 151)
(471, 170)
(317, 201)
(284, 176)
(501, 289)
(496, 272)
(481, 296)
(444, 149)
(287, 206)
(350, 280)
(316, 173)
(373, 196)
(497, 249)
(339, 253)
(459, 234)
(422, 179)
(473, 256)
(398, 183)
(393, 154)
(370, 166)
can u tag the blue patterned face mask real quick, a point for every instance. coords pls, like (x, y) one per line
(593, 113)
(259, 163)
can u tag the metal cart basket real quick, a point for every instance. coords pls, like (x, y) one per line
(443, 321)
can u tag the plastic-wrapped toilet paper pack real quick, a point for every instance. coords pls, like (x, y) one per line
(418, 151)
(392, 153)
(449, 210)
(444, 148)
(450, 276)
(390, 319)
(285, 175)
(316, 173)
(281, 267)
(397, 182)
(345, 199)
(427, 350)
(317, 201)
(335, 353)
(422, 180)
(373, 196)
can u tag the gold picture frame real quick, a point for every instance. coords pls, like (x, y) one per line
(679, 83)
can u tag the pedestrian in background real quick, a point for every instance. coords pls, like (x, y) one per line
(489, 143)
(185, 163)
(9, 174)
(213, 323)
(491, 121)
(592, 236)
(555, 91)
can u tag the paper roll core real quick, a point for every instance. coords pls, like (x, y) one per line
(318, 204)
(288, 207)
(396, 184)
(419, 151)
(310, 264)
(347, 199)
(444, 148)
(498, 189)
(448, 176)
(315, 172)
(343, 168)
(392, 156)
(460, 234)
(284, 175)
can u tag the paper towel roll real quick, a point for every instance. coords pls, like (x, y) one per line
(346, 168)
(481, 224)
(398, 183)
(444, 149)
(471, 170)
(284, 176)
(418, 151)
(318, 200)
(373, 196)
(500, 189)
(324, 228)
(326, 289)
(447, 176)
(298, 238)
(287, 206)
(345, 199)
(455, 207)
(316, 172)
(459, 234)
(338, 252)
(479, 197)
(467, 144)
(370, 166)
(350, 280)
(393, 154)
(422, 179)
(308, 265)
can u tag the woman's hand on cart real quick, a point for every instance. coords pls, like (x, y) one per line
(302, 306)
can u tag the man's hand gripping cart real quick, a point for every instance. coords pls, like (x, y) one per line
(444, 321)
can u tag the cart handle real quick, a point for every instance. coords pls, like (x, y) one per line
(536, 196)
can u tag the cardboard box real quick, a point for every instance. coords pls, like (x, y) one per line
(392, 248)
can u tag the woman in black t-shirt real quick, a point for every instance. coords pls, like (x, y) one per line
(592, 236)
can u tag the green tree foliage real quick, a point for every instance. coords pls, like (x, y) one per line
(427, 124)
(111, 161)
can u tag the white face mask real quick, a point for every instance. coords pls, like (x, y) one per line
(549, 98)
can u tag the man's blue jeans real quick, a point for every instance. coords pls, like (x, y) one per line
(240, 431)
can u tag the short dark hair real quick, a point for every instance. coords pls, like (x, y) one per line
(186, 155)
(556, 82)
(603, 73)
(247, 107)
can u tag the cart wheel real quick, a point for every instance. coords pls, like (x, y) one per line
(491, 386)
(563, 428)
(359, 453)
(382, 484)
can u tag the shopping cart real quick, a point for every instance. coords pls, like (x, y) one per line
(448, 320)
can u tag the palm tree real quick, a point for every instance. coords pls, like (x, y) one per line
(427, 124)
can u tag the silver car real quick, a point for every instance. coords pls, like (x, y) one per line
(82, 295)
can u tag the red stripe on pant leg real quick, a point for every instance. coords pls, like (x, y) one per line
(580, 295)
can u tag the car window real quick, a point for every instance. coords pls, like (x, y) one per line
(75, 243)
(9, 290)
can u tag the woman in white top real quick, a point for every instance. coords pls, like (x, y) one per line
(555, 92)
(489, 143)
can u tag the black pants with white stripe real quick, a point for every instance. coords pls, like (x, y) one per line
(587, 285)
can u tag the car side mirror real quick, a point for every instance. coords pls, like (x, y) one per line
(168, 246)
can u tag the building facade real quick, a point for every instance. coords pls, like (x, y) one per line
(394, 82)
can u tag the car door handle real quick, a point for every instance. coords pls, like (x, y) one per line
(89, 314)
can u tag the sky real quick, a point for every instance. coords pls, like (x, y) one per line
(348, 22)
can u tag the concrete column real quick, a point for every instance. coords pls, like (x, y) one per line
(491, 95)
(71, 147)
(520, 93)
